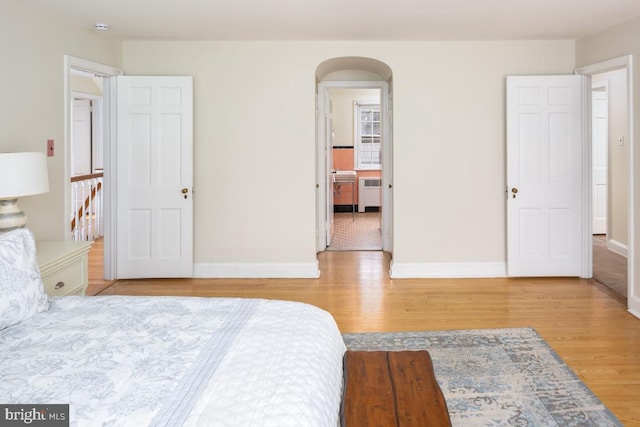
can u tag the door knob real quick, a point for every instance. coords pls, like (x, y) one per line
(514, 190)
(185, 191)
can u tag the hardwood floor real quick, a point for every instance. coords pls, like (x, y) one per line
(588, 328)
(96, 268)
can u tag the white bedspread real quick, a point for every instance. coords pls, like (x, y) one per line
(177, 361)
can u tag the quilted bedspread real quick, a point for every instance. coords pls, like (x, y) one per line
(177, 361)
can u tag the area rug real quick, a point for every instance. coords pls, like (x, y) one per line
(499, 377)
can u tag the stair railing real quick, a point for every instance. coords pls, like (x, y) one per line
(86, 207)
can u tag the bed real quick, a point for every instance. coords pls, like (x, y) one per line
(171, 361)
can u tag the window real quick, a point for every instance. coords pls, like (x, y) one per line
(367, 136)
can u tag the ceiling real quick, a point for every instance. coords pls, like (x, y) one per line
(346, 19)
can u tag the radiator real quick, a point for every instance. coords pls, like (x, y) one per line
(369, 193)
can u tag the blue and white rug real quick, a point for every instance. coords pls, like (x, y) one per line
(499, 377)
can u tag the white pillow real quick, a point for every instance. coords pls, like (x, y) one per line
(21, 290)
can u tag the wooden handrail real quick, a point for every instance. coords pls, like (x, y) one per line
(85, 177)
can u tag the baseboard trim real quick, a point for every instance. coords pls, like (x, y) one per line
(345, 208)
(633, 305)
(617, 247)
(408, 270)
(256, 270)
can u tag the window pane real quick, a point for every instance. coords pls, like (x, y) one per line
(368, 144)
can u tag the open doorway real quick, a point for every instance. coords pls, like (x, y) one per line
(356, 170)
(354, 155)
(102, 126)
(610, 178)
(86, 156)
(618, 72)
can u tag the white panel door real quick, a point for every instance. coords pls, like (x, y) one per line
(600, 147)
(330, 176)
(544, 175)
(154, 173)
(81, 138)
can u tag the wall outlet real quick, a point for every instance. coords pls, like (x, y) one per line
(50, 147)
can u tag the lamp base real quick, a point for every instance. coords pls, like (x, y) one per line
(11, 217)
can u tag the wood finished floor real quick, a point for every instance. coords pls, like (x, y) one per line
(590, 330)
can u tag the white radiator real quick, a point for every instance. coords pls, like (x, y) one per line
(369, 193)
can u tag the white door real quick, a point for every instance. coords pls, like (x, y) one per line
(386, 105)
(154, 173)
(600, 147)
(329, 174)
(81, 138)
(545, 142)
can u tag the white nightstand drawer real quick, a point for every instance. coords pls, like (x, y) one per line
(64, 267)
(65, 282)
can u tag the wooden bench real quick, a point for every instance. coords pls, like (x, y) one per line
(391, 388)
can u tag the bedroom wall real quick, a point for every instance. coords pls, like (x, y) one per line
(255, 142)
(615, 42)
(33, 46)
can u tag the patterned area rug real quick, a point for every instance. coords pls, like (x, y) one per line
(499, 377)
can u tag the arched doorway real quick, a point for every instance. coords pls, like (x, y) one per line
(354, 73)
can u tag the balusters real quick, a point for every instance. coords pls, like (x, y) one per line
(86, 205)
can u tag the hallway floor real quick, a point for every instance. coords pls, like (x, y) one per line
(364, 233)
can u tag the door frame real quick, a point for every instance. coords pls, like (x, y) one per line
(108, 103)
(622, 62)
(386, 170)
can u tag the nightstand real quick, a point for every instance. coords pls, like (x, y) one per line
(64, 267)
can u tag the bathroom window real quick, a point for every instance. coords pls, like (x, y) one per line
(367, 136)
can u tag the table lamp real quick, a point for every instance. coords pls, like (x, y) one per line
(21, 174)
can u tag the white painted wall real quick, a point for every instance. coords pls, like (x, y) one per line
(255, 139)
(33, 46)
(86, 85)
(342, 112)
(615, 42)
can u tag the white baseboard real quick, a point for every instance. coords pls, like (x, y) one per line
(633, 305)
(408, 270)
(256, 271)
(617, 247)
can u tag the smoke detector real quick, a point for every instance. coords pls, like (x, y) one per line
(102, 27)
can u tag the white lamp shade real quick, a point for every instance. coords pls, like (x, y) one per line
(23, 174)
